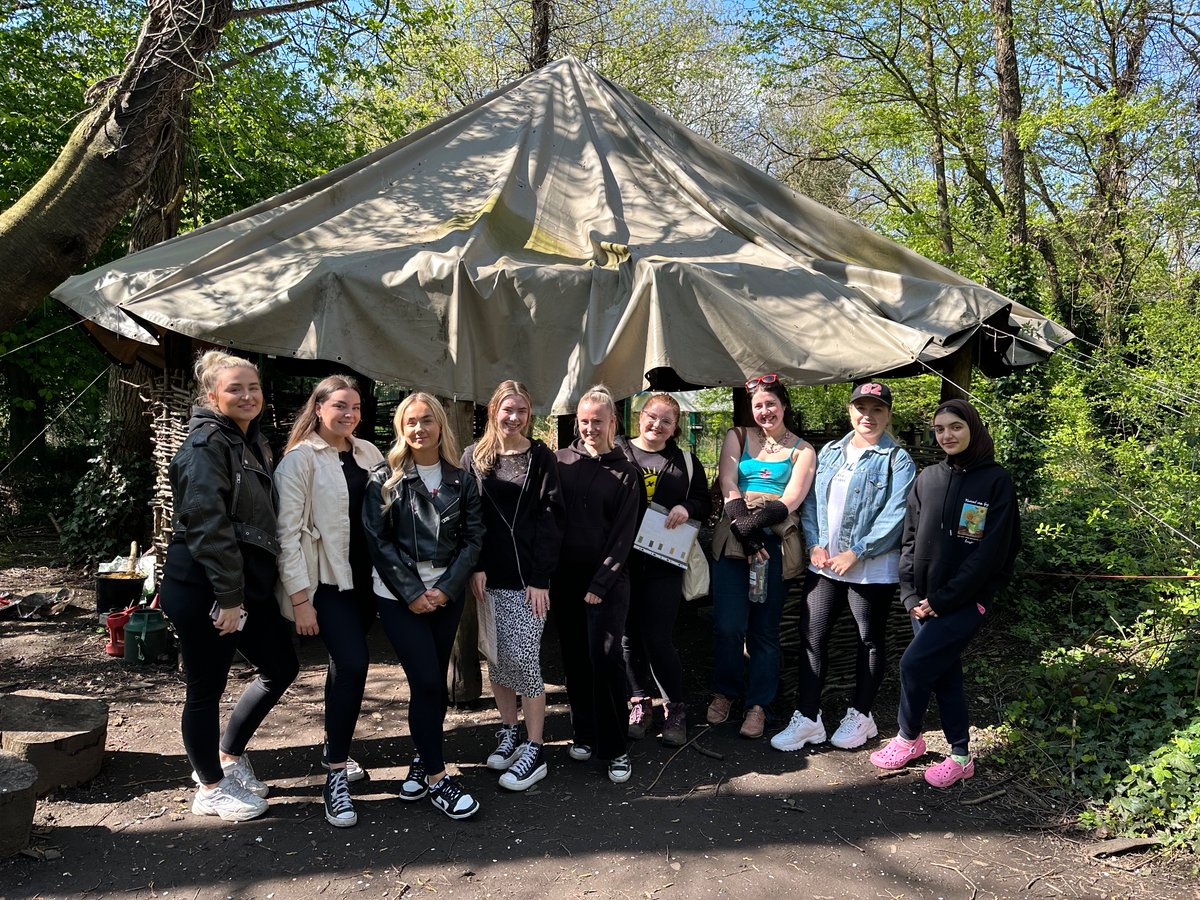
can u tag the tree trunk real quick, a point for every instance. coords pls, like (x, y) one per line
(55, 228)
(543, 14)
(1012, 156)
(939, 149)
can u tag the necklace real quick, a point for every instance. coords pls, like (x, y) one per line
(769, 443)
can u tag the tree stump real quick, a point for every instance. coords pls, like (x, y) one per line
(17, 802)
(60, 734)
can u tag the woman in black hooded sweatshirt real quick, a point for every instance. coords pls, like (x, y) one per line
(961, 534)
(601, 492)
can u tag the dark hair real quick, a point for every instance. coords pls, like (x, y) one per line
(781, 393)
(307, 420)
(981, 447)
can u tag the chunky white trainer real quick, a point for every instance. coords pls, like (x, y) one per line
(230, 801)
(856, 729)
(800, 730)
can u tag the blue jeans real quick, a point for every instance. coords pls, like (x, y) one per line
(738, 624)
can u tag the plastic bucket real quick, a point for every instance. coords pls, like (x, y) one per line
(118, 590)
(116, 622)
(147, 640)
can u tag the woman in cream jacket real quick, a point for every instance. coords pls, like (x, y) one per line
(325, 566)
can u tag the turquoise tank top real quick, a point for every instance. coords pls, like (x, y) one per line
(759, 475)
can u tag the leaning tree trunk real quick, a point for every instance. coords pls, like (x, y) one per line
(55, 228)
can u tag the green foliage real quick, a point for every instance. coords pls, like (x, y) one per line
(109, 509)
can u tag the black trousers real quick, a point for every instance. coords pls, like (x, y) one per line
(649, 642)
(590, 637)
(266, 641)
(824, 600)
(344, 618)
(423, 643)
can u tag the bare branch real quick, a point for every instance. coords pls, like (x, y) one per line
(255, 12)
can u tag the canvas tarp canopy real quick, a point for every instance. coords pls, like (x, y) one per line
(563, 232)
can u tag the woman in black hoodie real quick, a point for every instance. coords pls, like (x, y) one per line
(601, 495)
(961, 534)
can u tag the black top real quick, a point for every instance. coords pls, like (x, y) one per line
(961, 534)
(360, 554)
(522, 513)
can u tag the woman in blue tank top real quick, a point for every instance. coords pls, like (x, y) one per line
(765, 473)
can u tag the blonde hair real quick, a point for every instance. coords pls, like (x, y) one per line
(399, 456)
(669, 401)
(600, 395)
(489, 445)
(208, 369)
(306, 420)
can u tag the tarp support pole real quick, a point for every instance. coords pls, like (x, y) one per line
(957, 371)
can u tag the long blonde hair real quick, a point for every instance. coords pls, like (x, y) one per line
(399, 456)
(306, 420)
(488, 446)
(209, 366)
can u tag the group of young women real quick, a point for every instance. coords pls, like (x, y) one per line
(336, 537)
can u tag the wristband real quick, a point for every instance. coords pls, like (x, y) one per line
(301, 603)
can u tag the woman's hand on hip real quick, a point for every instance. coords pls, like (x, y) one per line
(591, 598)
(539, 601)
(677, 516)
(478, 584)
(304, 614)
(841, 563)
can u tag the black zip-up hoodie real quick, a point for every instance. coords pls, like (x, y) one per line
(961, 534)
(602, 497)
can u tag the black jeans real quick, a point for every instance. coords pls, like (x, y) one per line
(590, 637)
(824, 599)
(266, 641)
(650, 656)
(423, 643)
(344, 618)
(932, 665)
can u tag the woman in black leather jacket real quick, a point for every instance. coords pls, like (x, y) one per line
(218, 583)
(424, 526)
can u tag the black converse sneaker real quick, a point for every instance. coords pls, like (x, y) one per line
(414, 786)
(448, 796)
(339, 810)
(528, 770)
(508, 748)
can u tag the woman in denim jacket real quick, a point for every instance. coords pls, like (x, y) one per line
(852, 518)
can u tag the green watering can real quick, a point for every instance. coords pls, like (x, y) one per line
(147, 640)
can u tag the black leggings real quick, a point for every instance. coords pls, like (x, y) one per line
(266, 642)
(824, 599)
(423, 643)
(649, 641)
(590, 637)
(344, 618)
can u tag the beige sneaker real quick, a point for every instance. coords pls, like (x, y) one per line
(754, 723)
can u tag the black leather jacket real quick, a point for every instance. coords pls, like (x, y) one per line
(445, 530)
(223, 498)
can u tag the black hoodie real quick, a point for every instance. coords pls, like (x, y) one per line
(961, 534)
(602, 498)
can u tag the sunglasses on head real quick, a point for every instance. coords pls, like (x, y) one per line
(761, 379)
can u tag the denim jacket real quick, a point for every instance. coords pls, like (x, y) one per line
(873, 519)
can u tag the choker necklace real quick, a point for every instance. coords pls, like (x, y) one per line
(769, 443)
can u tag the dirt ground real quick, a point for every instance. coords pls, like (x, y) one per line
(738, 819)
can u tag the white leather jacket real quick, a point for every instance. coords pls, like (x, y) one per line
(314, 548)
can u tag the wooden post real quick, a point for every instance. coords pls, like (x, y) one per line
(60, 734)
(17, 803)
(956, 370)
(464, 680)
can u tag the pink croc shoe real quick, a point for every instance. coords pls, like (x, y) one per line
(898, 753)
(948, 772)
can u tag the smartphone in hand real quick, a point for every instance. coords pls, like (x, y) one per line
(216, 611)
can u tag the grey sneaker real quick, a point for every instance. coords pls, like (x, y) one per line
(241, 772)
(507, 749)
(339, 808)
(354, 771)
(528, 770)
(230, 801)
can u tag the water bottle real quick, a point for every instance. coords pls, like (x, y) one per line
(758, 581)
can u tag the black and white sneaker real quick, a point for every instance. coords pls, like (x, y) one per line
(579, 752)
(354, 771)
(448, 796)
(508, 748)
(339, 809)
(620, 769)
(528, 770)
(414, 786)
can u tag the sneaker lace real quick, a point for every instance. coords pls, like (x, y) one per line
(525, 764)
(450, 790)
(507, 736)
(416, 771)
(339, 792)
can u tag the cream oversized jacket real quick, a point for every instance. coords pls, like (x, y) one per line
(316, 551)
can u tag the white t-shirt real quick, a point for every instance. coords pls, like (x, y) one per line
(429, 573)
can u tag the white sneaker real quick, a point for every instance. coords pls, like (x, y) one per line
(800, 731)
(242, 773)
(230, 801)
(855, 730)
